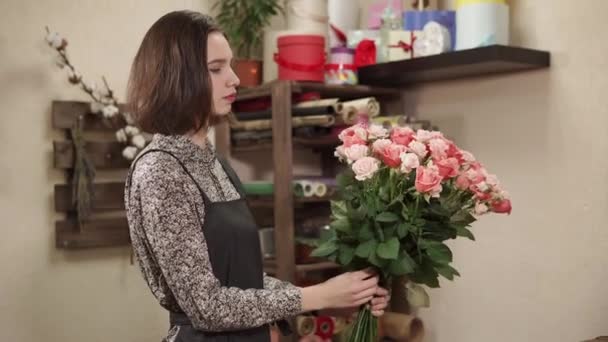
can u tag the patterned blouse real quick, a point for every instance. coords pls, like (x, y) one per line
(165, 211)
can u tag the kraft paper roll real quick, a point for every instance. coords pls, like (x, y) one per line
(344, 15)
(261, 125)
(305, 325)
(401, 327)
(307, 15)
(318, 103)
(350, 110)
(482, 24)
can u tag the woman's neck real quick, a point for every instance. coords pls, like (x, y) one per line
(199, 138)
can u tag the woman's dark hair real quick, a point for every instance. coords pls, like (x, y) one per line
(169, 90)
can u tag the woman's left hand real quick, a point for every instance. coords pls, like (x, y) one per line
(380, 302)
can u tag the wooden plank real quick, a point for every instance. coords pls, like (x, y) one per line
(108, 196)
(453, 65)
(283, 172)
(97, 233)
(64, 113)
(104, 155)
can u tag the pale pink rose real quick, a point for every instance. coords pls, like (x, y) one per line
(480, 208)
(376, 131)
(340, 153)
(492, 181)
(402, 135)
(462, 182)
(380, 145)
(409, 161)
(423, 135)
(436, 134)
(438, 148)
(365, 168)
(418, 148)
(355, 152)
(502, 207)
(428, 180)
(390, 155)
(468, 157)
(476, 173)
(448, 167)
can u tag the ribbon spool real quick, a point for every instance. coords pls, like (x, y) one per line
(303, 188)
(305, 325)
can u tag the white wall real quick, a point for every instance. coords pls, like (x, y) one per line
(48, 294)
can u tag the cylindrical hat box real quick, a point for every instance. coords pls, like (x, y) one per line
(301, 57)
(481, 23)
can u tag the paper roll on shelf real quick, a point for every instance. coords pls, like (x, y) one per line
(319, 189)
(349, 111)
(305, 325)
(303, 188)
(260, 125)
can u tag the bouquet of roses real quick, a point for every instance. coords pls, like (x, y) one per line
(403, 194)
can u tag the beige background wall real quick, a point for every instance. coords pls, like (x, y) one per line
(538, 275)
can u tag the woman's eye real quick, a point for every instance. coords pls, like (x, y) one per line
(215, 71)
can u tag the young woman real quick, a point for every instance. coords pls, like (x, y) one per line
(193, 235)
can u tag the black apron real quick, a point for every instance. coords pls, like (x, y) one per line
(236, 259)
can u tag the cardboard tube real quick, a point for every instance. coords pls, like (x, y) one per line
(401, 327)
(319, 189)
(300, 121)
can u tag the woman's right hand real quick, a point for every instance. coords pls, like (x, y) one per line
(350, 289)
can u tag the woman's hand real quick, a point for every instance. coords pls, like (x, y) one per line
(378, 306)
(380, 302)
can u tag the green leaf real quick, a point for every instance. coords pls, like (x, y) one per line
(463, 231)
(426, 274)
(463, 217)
(338, 209)
(374, 260)
(403, 265)
(438, 252)
(404, 228)
(447, 271)
(417, 295)
(364, 249)
(365, 232)
(341, 224)
(387, 216)
(346, 254)
(325, 249)
(389, 249)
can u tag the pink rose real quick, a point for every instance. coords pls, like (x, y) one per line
(462, 182)
(390, 155)
(438, 148)
(418, 148)
(423, 135)
(380, 145)
(355, 152)
(502, 207)
(402, 135)
(480, 208)
(467, 157)
(480, 194)
(409, 161)
(376, 131)
(365, 168)
(353, 135)
(476, 173)
(448, 168)
(454, 152)
(428, 180)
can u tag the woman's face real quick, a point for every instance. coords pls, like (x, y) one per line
(223, 79)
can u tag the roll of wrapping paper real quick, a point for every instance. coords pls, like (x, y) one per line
(258, 188)
(317, 103)
(305, 325)
(401, 327)
(261, 125)
(350, 110)
(319, 189)
(295, 112)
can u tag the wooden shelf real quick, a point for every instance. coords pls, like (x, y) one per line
(341, 91)
(453, 65)
(315, 143)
